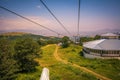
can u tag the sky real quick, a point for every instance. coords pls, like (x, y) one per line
(95, 15)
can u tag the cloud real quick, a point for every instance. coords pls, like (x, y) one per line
(38, 6)
(19, 24)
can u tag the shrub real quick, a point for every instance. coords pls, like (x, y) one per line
(26, 51)
(8, 66)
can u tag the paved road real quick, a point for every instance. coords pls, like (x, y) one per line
(80, 67)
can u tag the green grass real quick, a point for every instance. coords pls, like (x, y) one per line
(58, 70)
(30, 76)
(107, 67)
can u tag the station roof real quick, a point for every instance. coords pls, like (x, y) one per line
(109, 34)
(103, 44)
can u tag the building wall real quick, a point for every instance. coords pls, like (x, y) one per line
(91, 56)
(110, 37)
(86, 55)
(92, 53)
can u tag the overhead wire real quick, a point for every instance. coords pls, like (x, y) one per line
(55, 17)
(29, 20)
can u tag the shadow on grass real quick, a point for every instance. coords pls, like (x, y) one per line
(81, 53)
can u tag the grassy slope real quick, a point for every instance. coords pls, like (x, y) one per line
(14, 34)
(58, 70)
(108, 68)
(18, 35)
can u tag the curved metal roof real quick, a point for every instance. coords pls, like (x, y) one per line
(109, 34)
(103, 44)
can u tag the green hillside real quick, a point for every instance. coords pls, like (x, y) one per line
(17, 35)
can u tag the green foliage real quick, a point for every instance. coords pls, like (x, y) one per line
(119, 37)
(8, 66)
(86, 39)
(81, 43)
(30, 76)
(65, 42)
(67, 72)
(106, 67)
(26, 51)
(58, 70)
(42, 42)
(52, 41)
(43, 39)
(97, 37)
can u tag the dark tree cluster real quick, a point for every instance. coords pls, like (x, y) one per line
(17, 58)
(65, 42)
(26, 50)
(8, 65)
(85, 39)
(97, 37)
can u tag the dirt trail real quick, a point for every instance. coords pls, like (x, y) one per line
(80, 67)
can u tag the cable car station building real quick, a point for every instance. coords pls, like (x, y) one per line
(103, 48)
(110, 36)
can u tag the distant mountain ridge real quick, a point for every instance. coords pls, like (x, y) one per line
(15, 35)
(99, 32)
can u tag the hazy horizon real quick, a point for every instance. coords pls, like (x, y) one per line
(96, 16)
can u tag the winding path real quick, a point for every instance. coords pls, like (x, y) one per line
(80, 67)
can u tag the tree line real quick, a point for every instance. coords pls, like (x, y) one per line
(17, 57)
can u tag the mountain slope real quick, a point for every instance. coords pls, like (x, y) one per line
(16, 35)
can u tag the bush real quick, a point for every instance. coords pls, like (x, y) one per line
(81, 53)
(8, 66)
(26, 51)
(65, 42)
